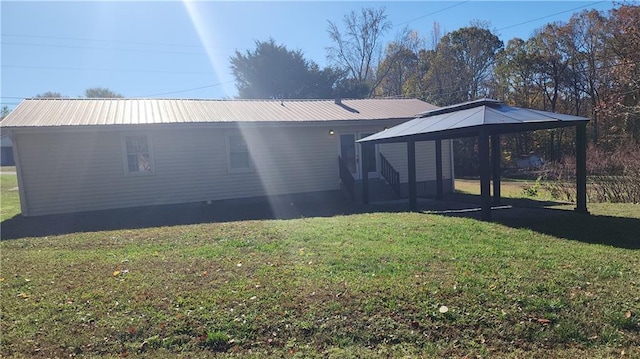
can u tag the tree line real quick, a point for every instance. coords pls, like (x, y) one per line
(588, 66)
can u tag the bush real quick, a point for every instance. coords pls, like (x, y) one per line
(534, 189)
(612, 176)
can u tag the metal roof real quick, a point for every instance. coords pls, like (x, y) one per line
(87, 112)
(469, 118)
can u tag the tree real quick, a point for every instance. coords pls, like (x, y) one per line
(49, 94)
(590, 62)
(4, 112)
(101, 92)
(514, 83)
(273, 71)
(400, 67)
(624, 102)
(515, 74)
(356, 50)
(460, 71)
(462, 66)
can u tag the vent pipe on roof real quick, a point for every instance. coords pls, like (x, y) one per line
(338, 101)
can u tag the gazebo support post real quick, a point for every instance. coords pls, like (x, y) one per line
(366, 148)
(411, 159)
(495, 164)
(485, 175)
(581, 168)
(439, 184)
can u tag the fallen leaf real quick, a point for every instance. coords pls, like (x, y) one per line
(116, 273)
(23, 295)
(544, 321)
(627, 314)
(443, 309)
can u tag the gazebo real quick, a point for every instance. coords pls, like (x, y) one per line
(487, 119)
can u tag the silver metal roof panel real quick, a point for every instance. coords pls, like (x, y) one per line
(90, 112)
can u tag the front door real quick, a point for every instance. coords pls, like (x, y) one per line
(351, 154)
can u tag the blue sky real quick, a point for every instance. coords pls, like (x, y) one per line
(181, 49)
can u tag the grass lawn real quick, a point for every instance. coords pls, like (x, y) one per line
(508, 188)
(365, 285)
(9, 196)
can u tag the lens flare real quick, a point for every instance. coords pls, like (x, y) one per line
(267, 163)
(208, 38)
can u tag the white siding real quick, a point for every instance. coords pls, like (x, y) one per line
(80, 171)
(396, 154)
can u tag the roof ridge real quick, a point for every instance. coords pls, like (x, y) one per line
(207, 99)
(462, 106)
(122, 111)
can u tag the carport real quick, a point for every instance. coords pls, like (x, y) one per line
(487, 119)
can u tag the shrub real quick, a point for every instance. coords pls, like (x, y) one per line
(612, 176)
(532, 190)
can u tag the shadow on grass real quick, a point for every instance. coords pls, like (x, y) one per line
(523, 213)
(281, 207)
(614, 231)
(537, 216)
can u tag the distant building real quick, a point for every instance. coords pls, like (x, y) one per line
(6, 154)
(529, 162)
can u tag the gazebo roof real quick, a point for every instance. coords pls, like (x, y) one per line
(469, 118)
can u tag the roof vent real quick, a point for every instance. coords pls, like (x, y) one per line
(338, 101)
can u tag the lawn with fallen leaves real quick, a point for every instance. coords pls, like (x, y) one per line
(367, 285)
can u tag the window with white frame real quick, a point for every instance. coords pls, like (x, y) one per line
(239, 159)
(138, 157)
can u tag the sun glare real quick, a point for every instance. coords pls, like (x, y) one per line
(206, 28)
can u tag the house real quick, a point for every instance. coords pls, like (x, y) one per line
(6, 151)
(77, 155)
(530, 161)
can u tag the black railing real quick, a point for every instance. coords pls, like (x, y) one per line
(347, 178)
(390, 175)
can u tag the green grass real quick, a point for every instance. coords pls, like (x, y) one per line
(510, 188)
(364, 285)
(9, 195)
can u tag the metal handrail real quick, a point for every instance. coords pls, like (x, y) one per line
(390, 174)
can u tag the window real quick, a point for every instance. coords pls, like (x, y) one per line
(239, 159)
(138, 154)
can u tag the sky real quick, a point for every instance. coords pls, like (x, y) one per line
(181, 49)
